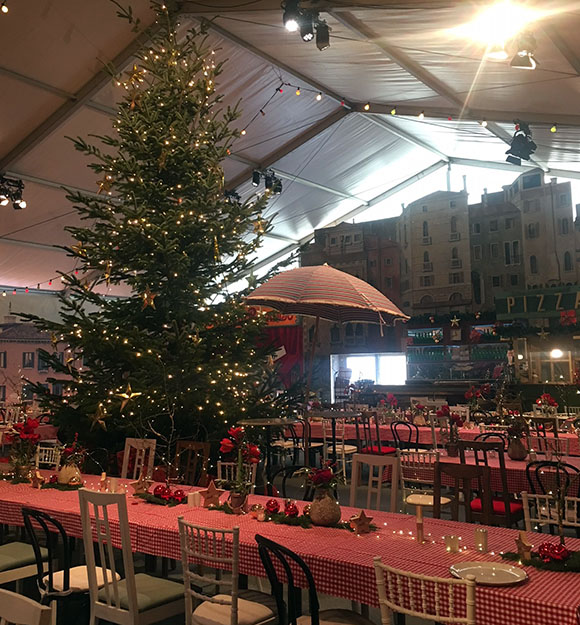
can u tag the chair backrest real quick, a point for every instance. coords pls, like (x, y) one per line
(405, 434)
(548, 445)
(51, 529)
(444, 600)
(191, 460)
(142, 451)
(462, 477)
(205, 549)
(275, 557)
(228, 472)
(100, 513)
(368, 432)
(480, 415)
(18, 610)
(493, 437)
(547, 475)
(47, 456)
(416, 470)
(281, 476)
(543, 510)
(539, 425)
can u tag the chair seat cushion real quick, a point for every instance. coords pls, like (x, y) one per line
(374, 449)
(345, 449)
(151, 592)
(498, 506)
(249, 612)
(16, 555)
(336, 617)
(79, 579)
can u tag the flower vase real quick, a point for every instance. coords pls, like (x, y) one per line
(23, 472)
(69, 474)
(516, 449)
(452, 449)
(239, 503)
(324, 510)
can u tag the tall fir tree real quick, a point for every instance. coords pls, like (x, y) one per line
(179, 353)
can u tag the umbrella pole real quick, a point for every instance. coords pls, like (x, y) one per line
(306, 426)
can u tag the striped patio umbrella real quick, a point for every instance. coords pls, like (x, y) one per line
(326, 293)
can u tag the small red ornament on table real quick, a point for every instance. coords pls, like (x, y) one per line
(159, 490)
(272, 506)
(290, 508)
(179, 496)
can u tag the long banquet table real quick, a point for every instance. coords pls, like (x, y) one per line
(341, 562)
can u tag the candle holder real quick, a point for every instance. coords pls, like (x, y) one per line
(481, 539)
(419, 521)
(451, 543)
(194, 499)
(113, 485)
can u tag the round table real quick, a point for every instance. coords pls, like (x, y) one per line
(267, 423)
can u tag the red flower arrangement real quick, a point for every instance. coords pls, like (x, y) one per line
(324, 477)
(474, 393)
(244, 452)
(546, 401)
(23, 438)
(73, 453)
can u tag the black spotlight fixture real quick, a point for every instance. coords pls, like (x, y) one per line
(322, 35)
(11, 190)
(307, 26)
(256, 177)
(522, 145)
(291, 15)
(233, 197)
(269, 180)
(524, 57)
(277, 188)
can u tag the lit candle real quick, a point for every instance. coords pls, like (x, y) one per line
(451, 543)
(481, 539)
(533, 456)
(419, 519)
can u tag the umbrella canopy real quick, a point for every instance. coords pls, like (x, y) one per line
(324, 292)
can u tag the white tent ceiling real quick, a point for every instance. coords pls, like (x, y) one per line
(335, 159)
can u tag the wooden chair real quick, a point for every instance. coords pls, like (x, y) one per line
(548, 475)
(191, 461)
(405, 435)
(377, 465)
(137, 599)
(344, 452)
(281, 476)
(18, 561)
(228, 472)
(292, 441)
(432, 598)
(541, 511)
(56, 579)
(493, 437)
(463, 476)
(47, 456)
(505, 510)
(203, 550)
(539, 425)
(21, 610)
(142, 450)
(549, 446)
(275, 558)
(417, 471)
(368, 436)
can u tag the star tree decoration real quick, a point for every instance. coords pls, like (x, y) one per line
(543, 334)
(148, 298)
(127, 396)
(455, 321)
(361, 523)
(211, 495)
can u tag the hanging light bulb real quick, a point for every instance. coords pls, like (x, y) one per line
(421, 115)
(554, 128)
(291, 15)
(319, 96)
(394, 110)
(367, 106)
(4, 7)
(484, 123)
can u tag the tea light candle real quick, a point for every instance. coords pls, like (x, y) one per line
(194, 499)
(481, 539)
(533, 456)
(451, 543)
(113, 485)
(419, 519)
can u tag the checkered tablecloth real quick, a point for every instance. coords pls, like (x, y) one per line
(340, 561)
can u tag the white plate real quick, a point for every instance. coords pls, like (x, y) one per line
(490, 573)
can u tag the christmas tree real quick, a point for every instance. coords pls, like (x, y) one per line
(179, 353)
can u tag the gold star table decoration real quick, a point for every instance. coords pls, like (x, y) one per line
(127, 396)
(148, 298)
(99, 417)
(142, 485)
(37, 480)
(259, 227)
(211, 495)
(105, 184)
(361, 523)
(524, 547)
(543, 334)
(455, 321)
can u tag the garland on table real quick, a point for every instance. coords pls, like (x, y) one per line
(549, 557)
(149, 498)
(57, 486)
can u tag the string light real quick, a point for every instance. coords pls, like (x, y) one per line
(367, 106)
(484, 123)
(554, 128)
(394, 110)
(4, 7)
(421, 115)
(319, 96)
(298, 92)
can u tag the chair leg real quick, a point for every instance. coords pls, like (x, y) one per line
(53, 610)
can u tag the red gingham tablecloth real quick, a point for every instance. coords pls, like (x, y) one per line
(341, 562)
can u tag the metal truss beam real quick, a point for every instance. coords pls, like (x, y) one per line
(525, 167)
(84, 95)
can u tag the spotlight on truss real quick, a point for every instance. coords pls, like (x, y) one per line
(522, 145)
(11, 191)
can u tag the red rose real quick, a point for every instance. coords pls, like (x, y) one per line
(236, 433)
(382, 402)
(226, 446)
(321, 476)
(420, 407)
(468, 394)
(252, 454)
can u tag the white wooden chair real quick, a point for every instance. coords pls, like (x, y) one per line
(228, 472)
(19, 610)
(541, 510)
(47, 456)
(432, 598)
(417, 472)
(344, 452)
(18, 561)
(376, 466)
(143, 450)
(137, 599)
(216, 548)
(549, 445)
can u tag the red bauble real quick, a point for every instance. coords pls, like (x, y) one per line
(560, 552)
(53, 479)
(179, 495)
(167, 493)
(291, 509)
(159, 490)
(272, 506)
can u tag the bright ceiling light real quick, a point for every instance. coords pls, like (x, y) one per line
(556, 353)
(498, 23)
(496, 52)
(291, 15)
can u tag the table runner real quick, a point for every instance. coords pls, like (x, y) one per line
(341, 562)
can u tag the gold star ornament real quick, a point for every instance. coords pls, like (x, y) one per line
(455, 321)
(543, 334)
(361, 523)
(99, 418)
(37, 480)
(211, 495)
(148, 298)
(127, 396)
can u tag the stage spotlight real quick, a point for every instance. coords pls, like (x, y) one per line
(4, 200)
(322, 35)
(256, 178)
(306, 24)
(522, 146)
(524, 57)
(291, 15)
(277, 188)
(268, 180)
